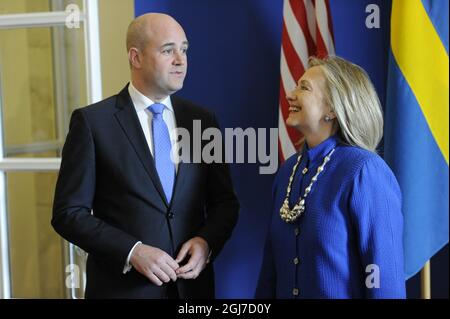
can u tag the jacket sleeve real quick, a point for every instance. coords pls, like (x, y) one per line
(375, 209)
(74, 195)
(222, 205)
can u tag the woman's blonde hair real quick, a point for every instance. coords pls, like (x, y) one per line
(352, 97)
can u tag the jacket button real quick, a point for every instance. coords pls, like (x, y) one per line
(170, 215)
(295, 292)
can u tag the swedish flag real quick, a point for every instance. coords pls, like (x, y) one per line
(417, 124)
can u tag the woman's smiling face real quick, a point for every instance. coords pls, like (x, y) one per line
(307, 103)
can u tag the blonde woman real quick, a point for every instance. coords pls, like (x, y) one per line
(336, 227)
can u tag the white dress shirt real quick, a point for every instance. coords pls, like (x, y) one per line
(141, 103)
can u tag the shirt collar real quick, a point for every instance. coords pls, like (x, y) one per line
(321, 150)
(141, 102)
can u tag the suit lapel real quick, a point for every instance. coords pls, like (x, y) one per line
(128, 120)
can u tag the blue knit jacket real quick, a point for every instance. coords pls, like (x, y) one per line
(348, 242)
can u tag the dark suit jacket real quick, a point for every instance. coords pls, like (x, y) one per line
(107, 169)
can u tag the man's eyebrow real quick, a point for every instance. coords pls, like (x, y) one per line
(165, 45)
(172, 44)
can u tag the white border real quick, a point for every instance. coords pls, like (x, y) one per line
(92, 47)
(34, 20)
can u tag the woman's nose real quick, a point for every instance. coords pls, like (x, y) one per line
(291, 97)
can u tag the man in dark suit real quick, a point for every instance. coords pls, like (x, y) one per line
(150, 224)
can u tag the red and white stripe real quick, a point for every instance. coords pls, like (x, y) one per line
(307, 31)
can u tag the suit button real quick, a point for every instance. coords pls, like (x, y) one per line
(295, 292)
(297, 231)
(170, 215)
(296, 261)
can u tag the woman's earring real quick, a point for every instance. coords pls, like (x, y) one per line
(327, 118)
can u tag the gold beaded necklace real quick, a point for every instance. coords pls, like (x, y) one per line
(291, 215)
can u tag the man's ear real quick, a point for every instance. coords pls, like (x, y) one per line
(134, 58)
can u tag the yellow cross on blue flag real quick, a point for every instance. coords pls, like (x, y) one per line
(417, 124)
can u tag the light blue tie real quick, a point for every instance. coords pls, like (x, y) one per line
(162, 149)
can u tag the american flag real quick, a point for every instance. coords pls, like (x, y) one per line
(307, 31)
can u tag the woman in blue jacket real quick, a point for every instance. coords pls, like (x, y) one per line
(336, 226)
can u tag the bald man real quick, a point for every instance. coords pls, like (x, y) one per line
(151, 226)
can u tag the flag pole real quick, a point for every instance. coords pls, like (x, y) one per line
(425, 281)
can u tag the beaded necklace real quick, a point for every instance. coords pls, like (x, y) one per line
(291, 215)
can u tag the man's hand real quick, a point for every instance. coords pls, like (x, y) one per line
(154, 264)
(198, 250)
